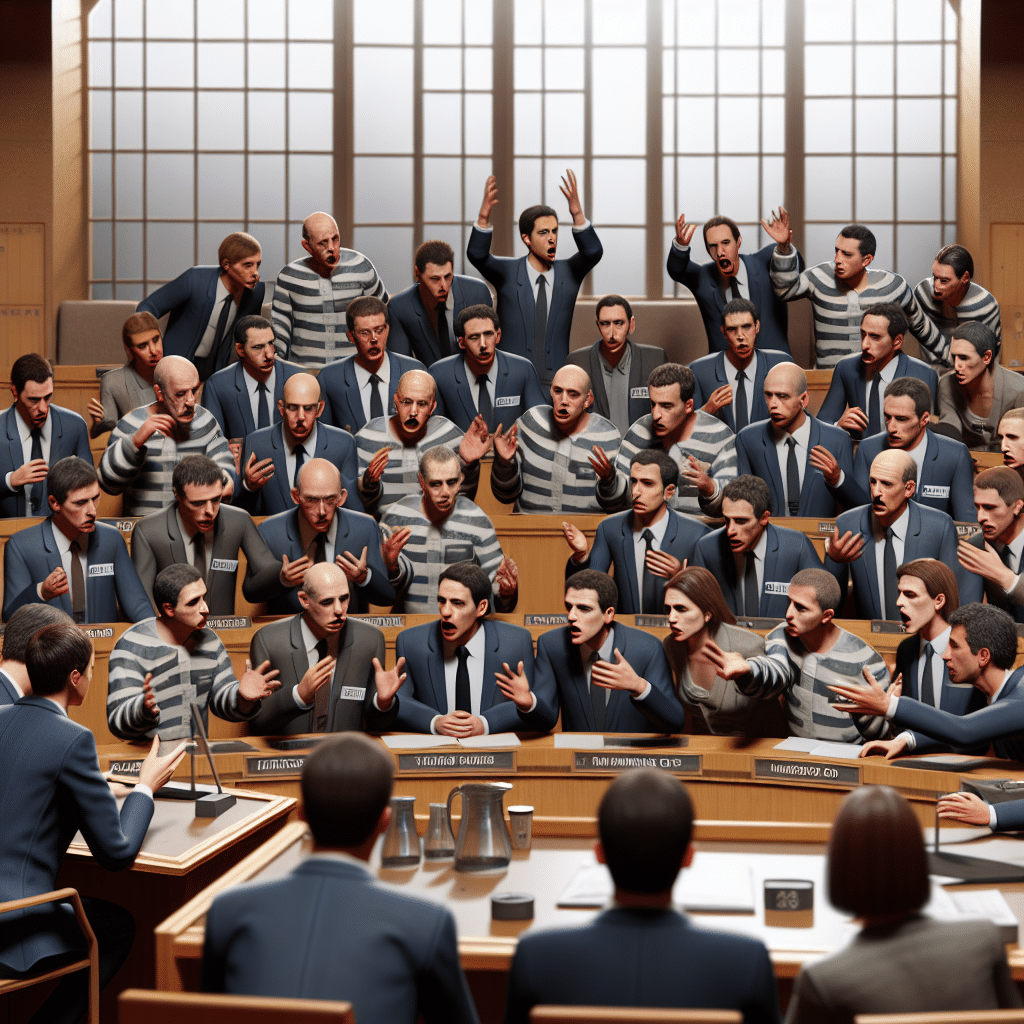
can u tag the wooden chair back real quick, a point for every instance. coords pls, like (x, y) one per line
(630, 1015)
(138, 1006)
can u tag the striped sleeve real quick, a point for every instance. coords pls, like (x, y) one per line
(977, 306)
(122, 461)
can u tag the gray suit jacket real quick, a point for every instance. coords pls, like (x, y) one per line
(917, 965)
(643, 360)
(352, 688)
(951, 402)
(157, 543)
(121, 390)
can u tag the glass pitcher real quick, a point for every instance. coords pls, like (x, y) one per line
(483, 842)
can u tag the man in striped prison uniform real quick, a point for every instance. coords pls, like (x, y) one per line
(803, 658)
(147, 443)
(427, 534)
(702, 445)
(161, 666)
(310, 296)
(560, 459)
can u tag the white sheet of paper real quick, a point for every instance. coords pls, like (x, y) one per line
(838, 751)
(801, 743)
(579, 741)
(417, 741)
(495, 739)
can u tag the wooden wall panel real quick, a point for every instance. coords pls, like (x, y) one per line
(22, 315)
(1007, 255)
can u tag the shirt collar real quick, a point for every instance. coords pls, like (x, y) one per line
(473, 378)
(761, 547)
(605, 650)
(939, 644)
(1006, 675)
(25, 431)
(363, 375)
(549, 276)
(252, 383)
(476, 644)
(308, 445)
(657, 529)
(732, 370)
(802, 435)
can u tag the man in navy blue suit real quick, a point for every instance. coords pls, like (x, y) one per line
(729, 276)
(605, 676)
(38, 435)
(751, 558)
(872, 540)
(362, 386)
(808, 465)
(318, 528)
(536, 292)
(245, 397)
(272, 457)
(423, 317)
(204, 302)
(642, 563)
(641, 951)
(945, 472)
(70, 560)
(53, 788)
(856, 395)
(453, 666)
(730, 384)
(482, 380)
(325, 930)
(20, 628)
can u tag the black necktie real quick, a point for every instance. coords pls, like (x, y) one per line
(199, 557)
(77, 584)
(889, 577)
(36, 494)
(649, 597)
(444, 341)
(300, 458)
(540, 328)
(319, 548)
(1007, 556)
(376, 402)
(598, 697)
(751, 597)
(792, 479)
(463, 700)
(741, 401)
(322, 697)
(483, 402)
(262, 406)
(874, 423)
(214, 360)
(732, 291)
(927, 686)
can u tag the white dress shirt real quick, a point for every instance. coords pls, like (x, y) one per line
(309, 446)
(307, 535)
(918, 455)
(476, 646)
(759, 550)
(640, 546)
(732, 376)
(899, 538)
(252, 386)
(802, 436)
(606, 652)
(363, 381)
(206, 342)
(188, 536)
(474, 387)
(312, 658)
(25, 434)
(886, 376)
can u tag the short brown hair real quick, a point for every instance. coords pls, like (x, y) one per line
(30, 367)
(365, 305)
(433, 250)
(599, 582)
(1005, 482)
(25, 623)
(136, 324)
(825, 587)
(237, 246)
(702, 588)
(53, 654)
(937, 578)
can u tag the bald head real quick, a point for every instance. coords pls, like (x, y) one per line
(173, 368)
(319, 494)
(301, 388)
(321, 239)
(571, 396)
(894, 463)
(575, 377)
(788, 376)
(175, 384)
(319, 477)
(891, 481)
(300, 405)
(785, 394)
(417, 382)
(321, 577)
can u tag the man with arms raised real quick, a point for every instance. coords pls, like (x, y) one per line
(647, 544)
(160, 666)
(325, 930)
(805, 655)
(361, 387)
(318, 528)
(702, 446)
(127, 387)
(752, 559)
(481, 380)
(730, 384)
(562, 462)
(641, 951)
(617, 366)
(455, 668)
(437, 529)
(423, 317)
(148, 443)
(325, 663)
(857, 392)
(20, 628)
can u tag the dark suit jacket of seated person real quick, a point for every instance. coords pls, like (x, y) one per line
(246, 396)
(71, 561)
(127, 387)
(634, 691)
(516, 279)
(423, 317)
(54, 789)
(945, 473)
(901, 960)
(859, 382)
(618, 366)
(325, 930)
(159, 667)
(458, 671)
(752, 558)
(199, 529)
(726, 277)
(325, 661)
(38, 434)
(719, 376)
(20, 628)
(642, 952)
(510, 383)
(622, 539)
(204, 302)
(271, 459)
(351, 395)
(764, 450)
(976, 394)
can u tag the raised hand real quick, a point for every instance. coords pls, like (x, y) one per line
(489, 202)
(696, 474)
(505, 445)
(821, 458)
(576, 540)
(778, 228)
(95, 411)
(728, 664)
(617, 675)
(156, 771)
(847, 548)
(985, 563)
(155, 422)
(314, 677)
(684, 231)
(853, 419)
(507, 577)
(388, 683)
(354, 568)
(602, 464)
(258, 473)
(719, 399)
(257, 683)
(292, 572)
(476, 442)
(869, 700)
(515, 686)
(29, 473)
(375, 470)
(571, 191)
(392, 546)
(661, 563)
(55, 584)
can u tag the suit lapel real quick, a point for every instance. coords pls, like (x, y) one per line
(865, 566)
(175, 541)
(489, 692)
(527, 304)
(300, 661)
(435, 668)
(280, 455)
(773, 477)
(427, 335)
(912, 541)
(242, 398)
(53, 561)
(721, 378)
(14, 444)
(807, 496)
(618, 699)
(771, 563)
(463, 386)
(629, 561)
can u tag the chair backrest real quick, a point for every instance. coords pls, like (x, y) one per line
(951, 1017)
(136, 1006)
(630, 1015)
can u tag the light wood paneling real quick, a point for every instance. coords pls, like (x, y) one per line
(1007, 248)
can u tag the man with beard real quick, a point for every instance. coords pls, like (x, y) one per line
(148, 443)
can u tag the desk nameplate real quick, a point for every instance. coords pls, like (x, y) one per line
(128, 767)
(677, 764)
(279, 766)
(808, 771)
(458, 761)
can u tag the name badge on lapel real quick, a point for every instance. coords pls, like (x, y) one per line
(639, 393)
(224, 565)
(353, 692)
(771, 587)
(934, 491)
(501, 403)
(103, 569)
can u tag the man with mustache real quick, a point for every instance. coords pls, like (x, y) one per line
(69, 560)
(148, 443)
(325, 662)
(729, 276)
(362, 386)
(312, 293)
